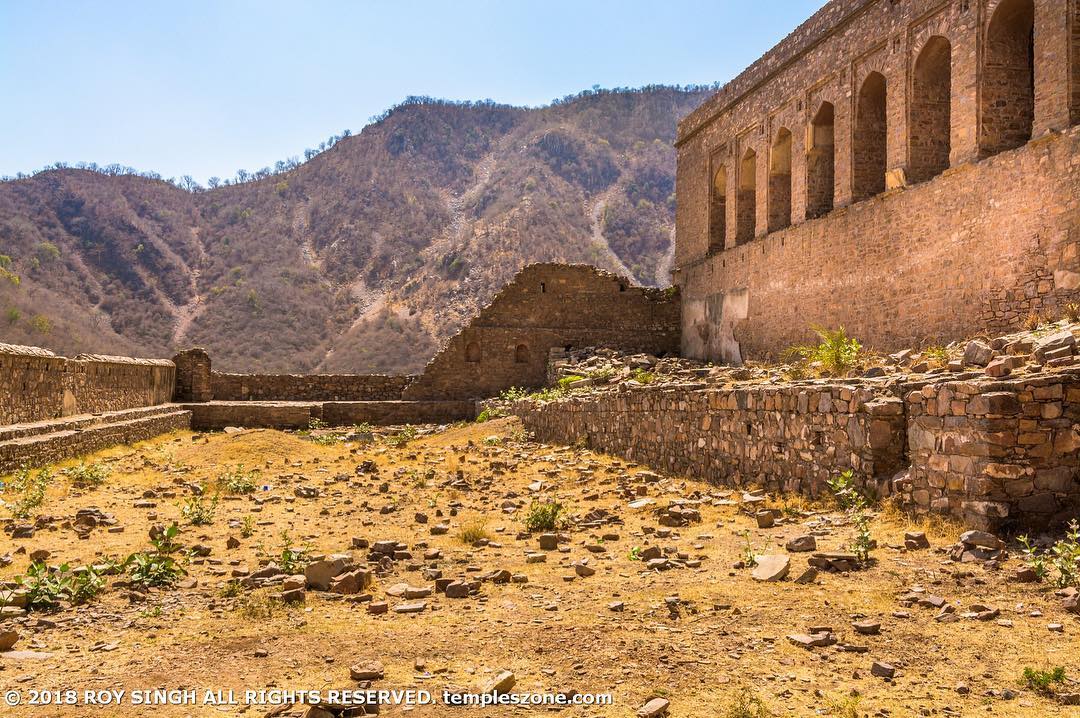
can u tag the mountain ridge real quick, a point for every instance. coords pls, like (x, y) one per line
(365, 257)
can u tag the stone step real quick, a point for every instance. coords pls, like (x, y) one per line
(78, 422)
(66, 441)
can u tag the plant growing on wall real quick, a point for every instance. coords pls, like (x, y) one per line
(835, 354)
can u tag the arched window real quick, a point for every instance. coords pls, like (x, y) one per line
(746, 207)
(1008, 89)
(821, 163)
(521, 354)
(931, 97)
(472, 352)
(780, 181)
(718, 211)
(869, 161)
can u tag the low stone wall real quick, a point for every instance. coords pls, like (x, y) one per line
(298, 415)
(308, 387)
(788, 438)
(36, 385)
(64, 442)
(996, 453)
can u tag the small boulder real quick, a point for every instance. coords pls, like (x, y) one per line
(771, 567)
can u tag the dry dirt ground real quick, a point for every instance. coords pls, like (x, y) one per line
(556, 632)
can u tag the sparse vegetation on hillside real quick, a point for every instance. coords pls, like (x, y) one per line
(353, 260)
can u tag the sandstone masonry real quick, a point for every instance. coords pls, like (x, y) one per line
(904, 168)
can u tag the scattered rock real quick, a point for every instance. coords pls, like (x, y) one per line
(771, 567)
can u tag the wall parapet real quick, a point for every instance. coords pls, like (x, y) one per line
(307, 387)
(36, 385)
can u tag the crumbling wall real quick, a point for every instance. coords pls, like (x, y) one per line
(36, 385)
(996, 453)
(547, 306)
(785, 438)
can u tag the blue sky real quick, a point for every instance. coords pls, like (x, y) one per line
(205, 87)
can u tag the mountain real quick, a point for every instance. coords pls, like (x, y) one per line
(363, 258)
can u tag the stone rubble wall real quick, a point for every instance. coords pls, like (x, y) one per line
(996, 452)
(299, 414)
(307, 387)
(784, 438)
(37, 385)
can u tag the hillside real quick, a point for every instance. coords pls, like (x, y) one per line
(365, 257)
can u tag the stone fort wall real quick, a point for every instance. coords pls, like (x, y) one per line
(548, 306)
(37, 385)
(902, 167)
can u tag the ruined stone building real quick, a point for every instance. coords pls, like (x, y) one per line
(908, 169)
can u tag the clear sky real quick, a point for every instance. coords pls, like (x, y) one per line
(206, 87)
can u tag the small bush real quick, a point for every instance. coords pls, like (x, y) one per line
(514, 393)
(29, 489)
(566, 381)
(292, 559)
(544, 516)
(836, 353)
(1071, 312)
(156, 568)
(642, 376)
(489, 413)
(236, 482)
(844, 491)
(403, 437)
(198, 512)
(247, 527)
(1063, 558)
(1033, 321)
(46, 589)
(1043, 681)
(87, 475)
(473, 533)
(936, 355)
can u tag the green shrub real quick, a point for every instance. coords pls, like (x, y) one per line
(489, 413)
(514, 393)
(642, 376)
(843, 489)
(29, 489)
(566, 381)
(1043, 681)
(46, 588)
(87, 475)
(291, 559)
(836, 352)
(236, 482)
(745, 704)
(198, 512)
(544, 516)
(156, 568)
(1063, 558)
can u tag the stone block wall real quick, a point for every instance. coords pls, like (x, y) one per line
(547, 306)
(31, 384)
(36, 385)
(996, 453)
(307, 387)
(785, 438)
(870, 127)
(975, 250)
(193, 380)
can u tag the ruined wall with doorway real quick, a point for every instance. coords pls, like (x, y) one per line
(905, 168)
(544, 307)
